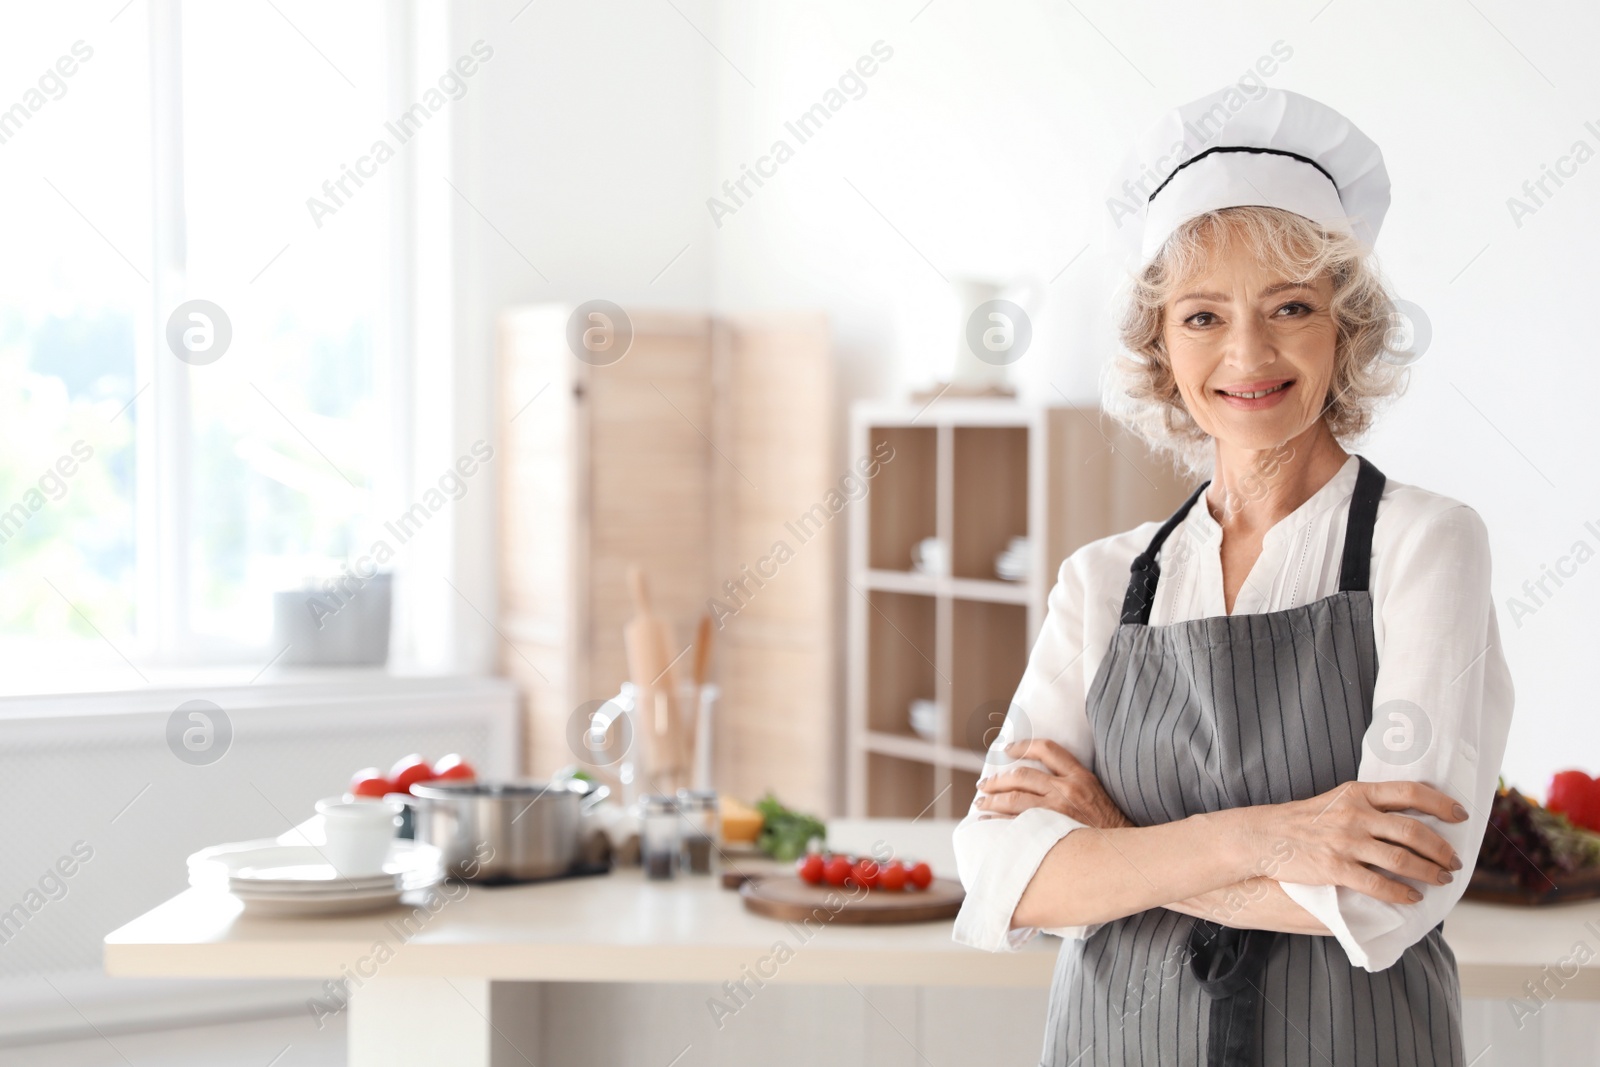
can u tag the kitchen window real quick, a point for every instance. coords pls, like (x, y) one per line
(151, 503)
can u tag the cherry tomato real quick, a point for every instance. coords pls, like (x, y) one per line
(370, 782)
(409, 771)
(453, 767)
(864, 872)
(836, 870)
(892, 877)
(809, 868)
(920, 875)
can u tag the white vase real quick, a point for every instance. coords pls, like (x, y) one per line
(993, 331)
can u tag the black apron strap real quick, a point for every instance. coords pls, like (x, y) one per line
(1228, 964)
(1354, 569)
(1146, 572)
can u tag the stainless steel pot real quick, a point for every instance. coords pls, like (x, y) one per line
(516, 830)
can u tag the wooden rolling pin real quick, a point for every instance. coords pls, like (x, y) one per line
(699, 715)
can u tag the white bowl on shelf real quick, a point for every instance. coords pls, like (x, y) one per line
(929, 556)
(924, 716)
(1013, 563)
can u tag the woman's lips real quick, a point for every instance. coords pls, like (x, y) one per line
(1255, 396)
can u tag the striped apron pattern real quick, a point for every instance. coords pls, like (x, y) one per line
(1217, 713)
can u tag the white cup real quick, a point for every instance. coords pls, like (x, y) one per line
(358, 833)
(928, 556)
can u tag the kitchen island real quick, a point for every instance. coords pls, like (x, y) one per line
(617, 969)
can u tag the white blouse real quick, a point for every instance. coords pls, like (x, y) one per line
(1438, 648)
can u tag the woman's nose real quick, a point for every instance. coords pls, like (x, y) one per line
(1251, 344)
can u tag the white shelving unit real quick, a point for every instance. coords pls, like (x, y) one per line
(974, 474)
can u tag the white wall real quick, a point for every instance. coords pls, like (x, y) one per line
(580, 159)
(986, 142)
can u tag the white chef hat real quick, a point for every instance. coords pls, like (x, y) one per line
(1234, 148)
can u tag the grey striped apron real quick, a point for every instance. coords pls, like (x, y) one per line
(1217, 713)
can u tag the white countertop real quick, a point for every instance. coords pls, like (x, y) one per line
(617, 927)
(621, 927)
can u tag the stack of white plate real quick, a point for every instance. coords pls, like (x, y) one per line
(275, 879)
(1012, 564)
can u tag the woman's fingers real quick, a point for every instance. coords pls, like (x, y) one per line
(1415, 796)
(1047, 752)
(1073, 792)
(1416, 836)
(1397, 859)
(1369, 882)
(1367, 836)
(1026, 779)
(1010, 803)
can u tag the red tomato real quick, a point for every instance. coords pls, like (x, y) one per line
(920, 875)
(408, 772)
(1573, 794)
(453, 767)
(864, 872)
(809, 868)
(836, 870)
(893, 877)
(370, 782)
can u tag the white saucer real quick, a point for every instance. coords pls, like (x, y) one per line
(290, 874)
(296, 879)
(296, 905)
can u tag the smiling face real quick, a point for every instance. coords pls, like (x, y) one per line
(1252, 351)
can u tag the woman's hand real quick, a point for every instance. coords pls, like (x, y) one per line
(1337, 838)
(1067, 786)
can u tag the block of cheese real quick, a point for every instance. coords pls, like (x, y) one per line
(740, 822)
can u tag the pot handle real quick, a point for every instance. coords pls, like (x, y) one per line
(411, 807)
(593, 798)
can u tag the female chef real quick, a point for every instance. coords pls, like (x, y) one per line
(1251, 758)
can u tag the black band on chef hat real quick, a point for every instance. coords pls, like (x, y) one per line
(1241, 148)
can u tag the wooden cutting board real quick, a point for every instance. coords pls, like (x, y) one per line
(788, 899)
(1495, 888)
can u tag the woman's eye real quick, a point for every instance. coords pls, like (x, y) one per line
(1295, 308)
(1200, 318)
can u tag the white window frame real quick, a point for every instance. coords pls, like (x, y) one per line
(162, 545)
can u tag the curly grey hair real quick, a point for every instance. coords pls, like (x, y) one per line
(1141, 391)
